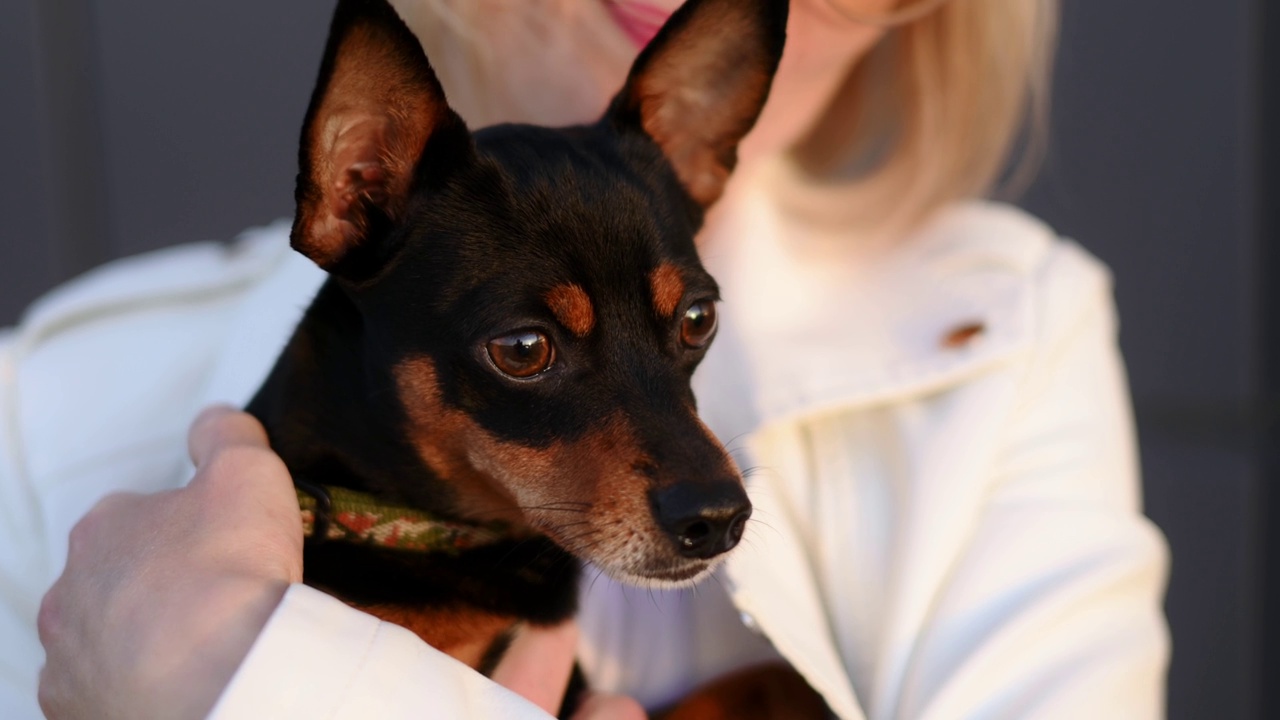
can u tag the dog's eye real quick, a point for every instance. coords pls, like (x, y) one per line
(698, 324)
(522, 354)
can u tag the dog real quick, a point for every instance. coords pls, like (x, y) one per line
(493, 385)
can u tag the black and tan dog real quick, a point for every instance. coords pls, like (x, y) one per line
(497, 370)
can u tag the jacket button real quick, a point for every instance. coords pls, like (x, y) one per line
(749, 622)
(963, 334)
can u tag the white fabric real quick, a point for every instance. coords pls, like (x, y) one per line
(940, 532)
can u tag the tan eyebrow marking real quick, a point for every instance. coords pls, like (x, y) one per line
(668, 289)
(572, 307)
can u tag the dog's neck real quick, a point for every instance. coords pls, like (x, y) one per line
(319, 407)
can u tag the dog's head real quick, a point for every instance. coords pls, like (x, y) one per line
(533, 294)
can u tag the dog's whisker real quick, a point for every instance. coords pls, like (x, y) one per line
(760, 529)
(520, 544)
(565, 543)
(591, 586)
(558, 528)
(755, 525)
(716, 577)
(579, 536)
(558, 504)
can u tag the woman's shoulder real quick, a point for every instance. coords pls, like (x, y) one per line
(186, 272)
(1059, 280)
(980, 287)
(1062, 278)
(980, 233)
(125, 355)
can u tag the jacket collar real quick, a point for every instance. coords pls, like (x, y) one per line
(813, 323)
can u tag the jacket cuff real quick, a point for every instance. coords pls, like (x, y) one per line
(318, 657)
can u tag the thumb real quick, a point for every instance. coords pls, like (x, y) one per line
(599, 706)
(538, 664)
(220, 427)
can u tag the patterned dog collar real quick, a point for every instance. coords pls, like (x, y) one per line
(359, 518)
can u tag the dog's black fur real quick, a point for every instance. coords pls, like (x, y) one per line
(439, 240)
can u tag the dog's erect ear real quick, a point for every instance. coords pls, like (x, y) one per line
(376, 107)
(699, 86)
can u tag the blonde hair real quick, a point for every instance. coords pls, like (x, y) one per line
(932, 114)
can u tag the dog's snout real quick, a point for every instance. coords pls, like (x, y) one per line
(703, 519)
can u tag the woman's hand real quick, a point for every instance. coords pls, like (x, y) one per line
(538, 665)
(163, 595)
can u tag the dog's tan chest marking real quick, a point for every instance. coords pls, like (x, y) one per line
(667, 286)
(464, 634)
(766, 691)
(572, 307)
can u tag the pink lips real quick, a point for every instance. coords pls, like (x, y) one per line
(639, 20)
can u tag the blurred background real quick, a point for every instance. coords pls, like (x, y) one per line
(129, 125)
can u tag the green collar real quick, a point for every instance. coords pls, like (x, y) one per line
(363, 519)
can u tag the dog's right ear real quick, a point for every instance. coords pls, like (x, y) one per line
(698, 87)
(378, 123)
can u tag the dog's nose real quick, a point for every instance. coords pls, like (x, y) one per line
(703, 519)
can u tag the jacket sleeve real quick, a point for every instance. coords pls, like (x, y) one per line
(1052, 608)
(317, 657)
(19, 648)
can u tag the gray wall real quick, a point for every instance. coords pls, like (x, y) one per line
(143, 123)
(133, 124)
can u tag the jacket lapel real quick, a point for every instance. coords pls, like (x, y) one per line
(815, 324)
(769, 579)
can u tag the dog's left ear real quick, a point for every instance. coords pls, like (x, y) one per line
(699, 86)
(377, 126)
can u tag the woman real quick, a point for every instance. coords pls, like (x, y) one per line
(929, 385)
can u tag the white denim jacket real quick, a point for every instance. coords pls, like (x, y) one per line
(947, 517)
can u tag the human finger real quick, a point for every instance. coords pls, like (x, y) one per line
(65, 622)
(538, 664)
(602, 706)
(222, 426)
(51, 695)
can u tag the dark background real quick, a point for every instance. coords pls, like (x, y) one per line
(134, 124)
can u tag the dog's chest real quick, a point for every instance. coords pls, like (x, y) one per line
(471, 636)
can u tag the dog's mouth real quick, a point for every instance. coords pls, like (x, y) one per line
(685, 574)
(675, 575)
(636, 556)
(671, 535)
